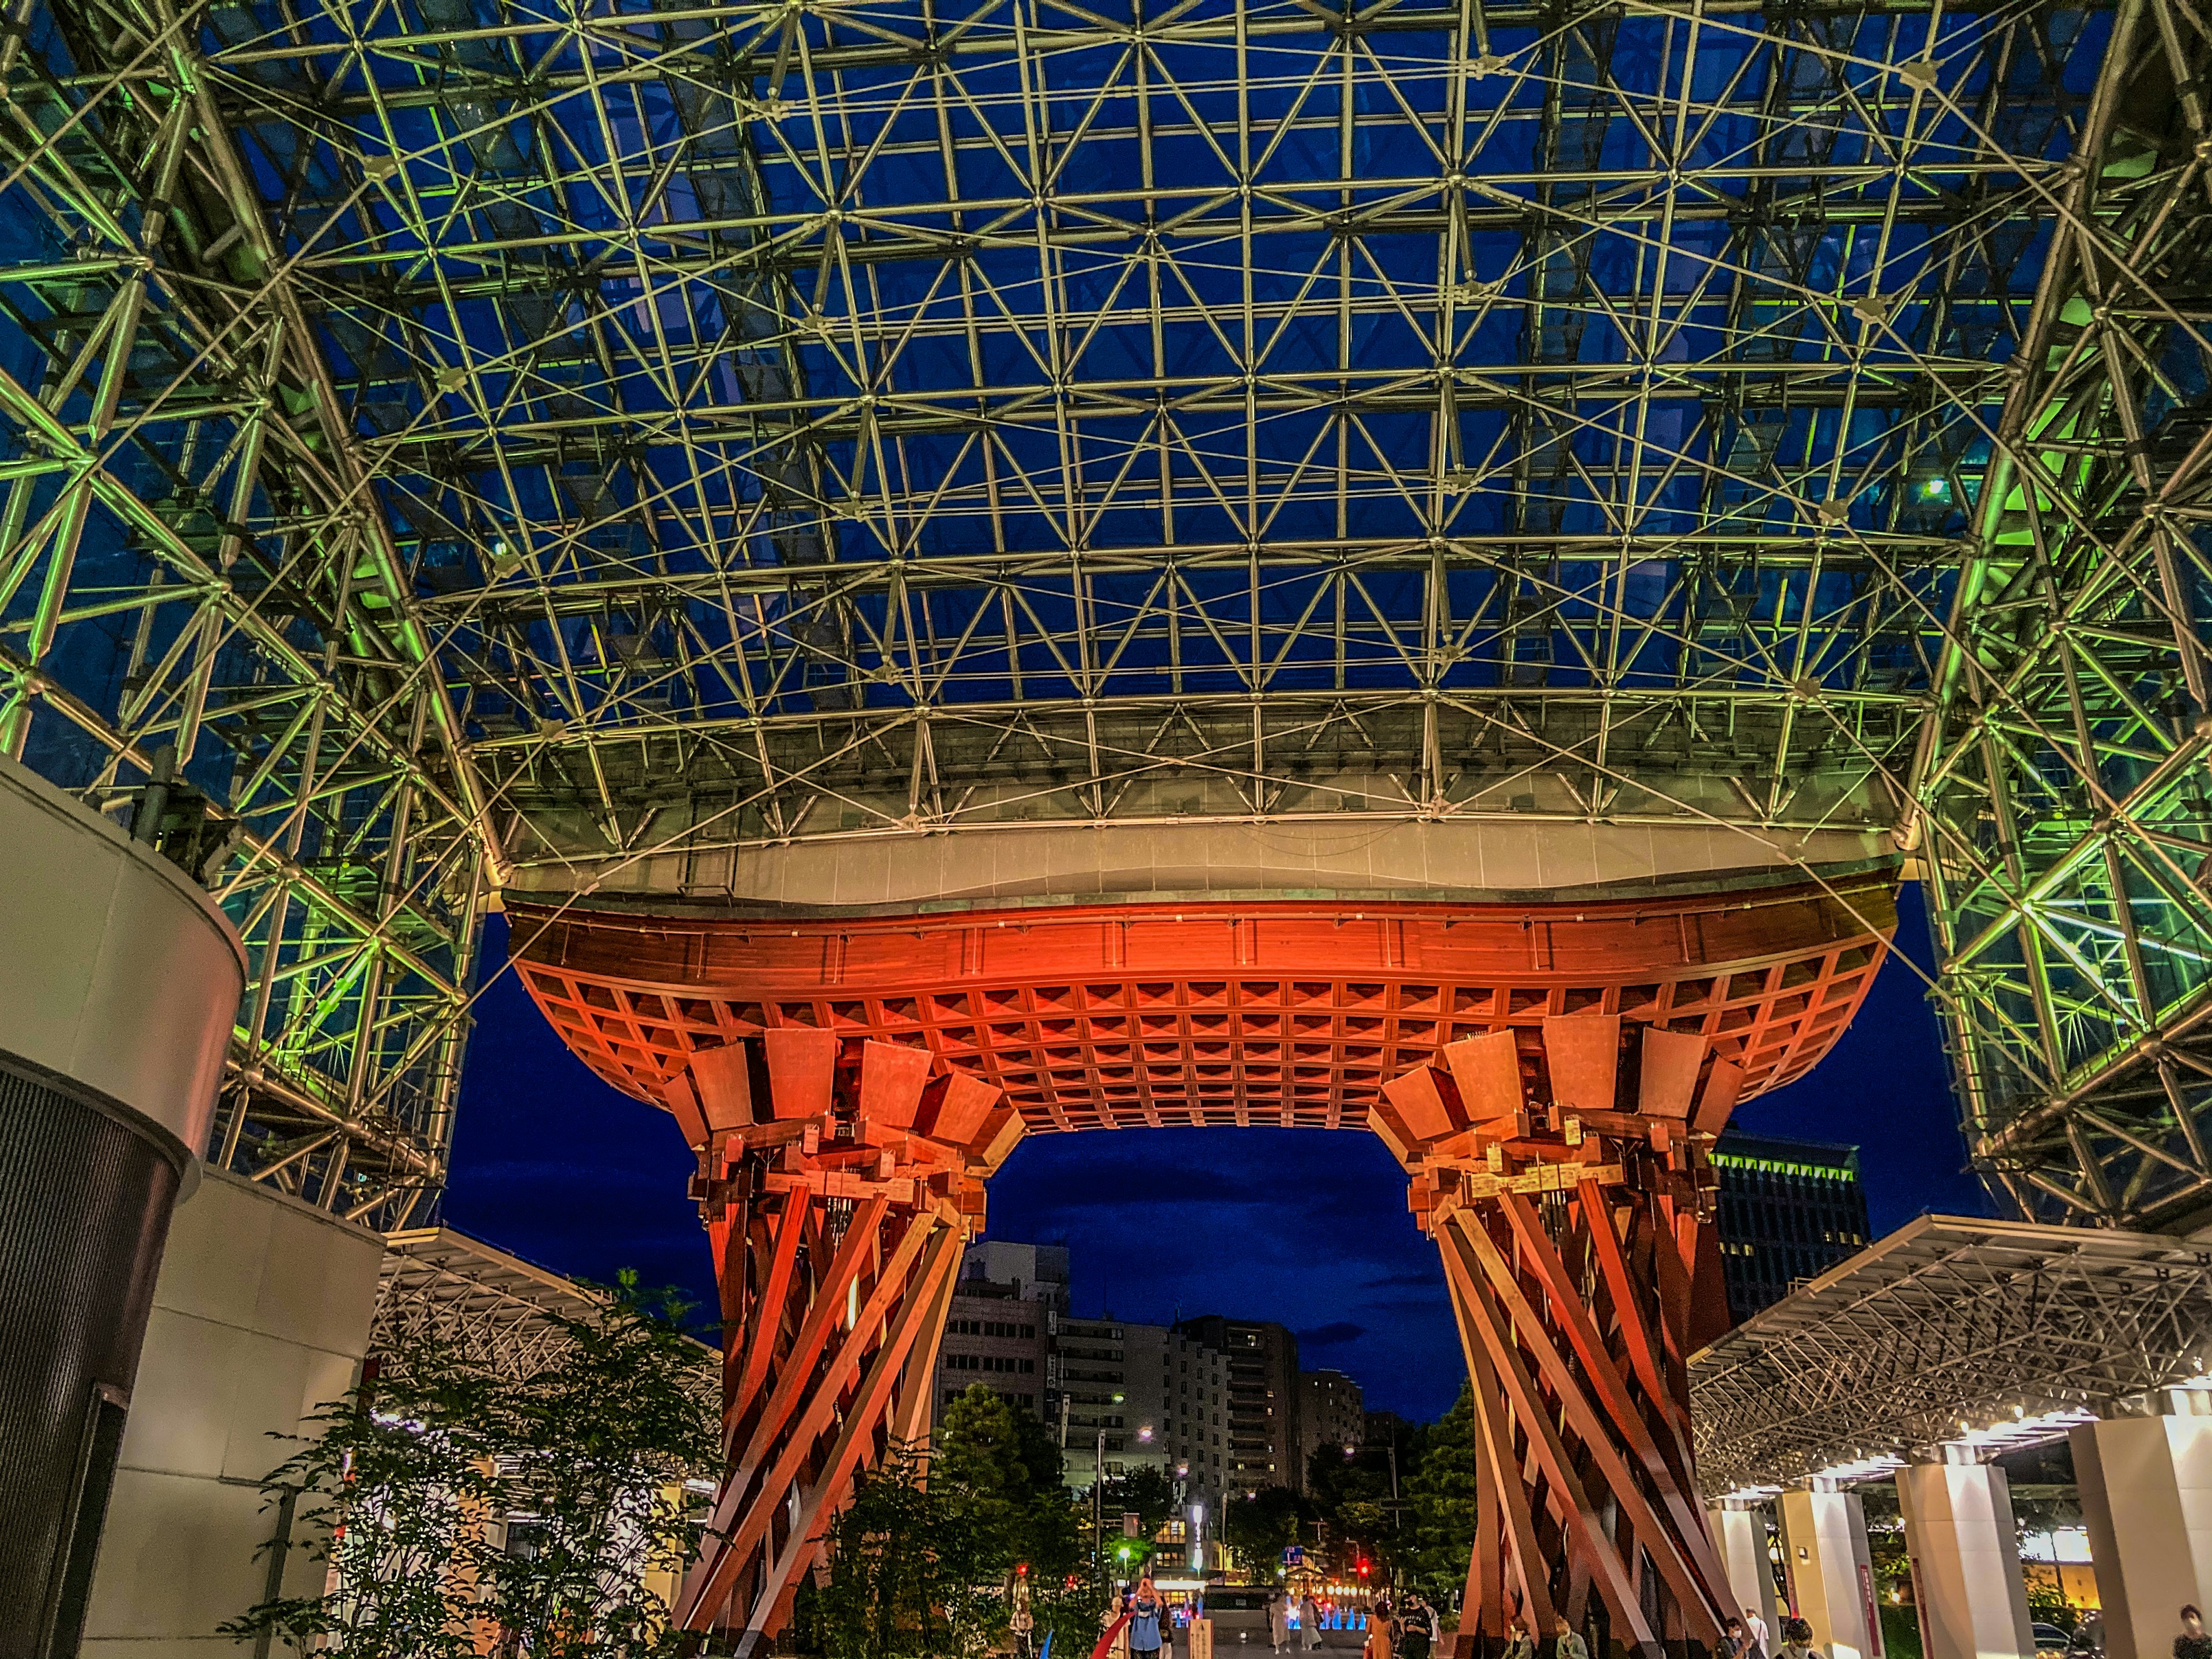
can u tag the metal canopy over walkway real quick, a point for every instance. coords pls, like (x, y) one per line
(1950, 1330)
(457, 445)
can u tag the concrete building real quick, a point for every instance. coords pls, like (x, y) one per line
(1789, 1210)
(1032, 1273)
(1331, 1412)
(260, 1318)
(1089, 1382)
(995, 1336)
(1178, 1401)
(1264, 1441)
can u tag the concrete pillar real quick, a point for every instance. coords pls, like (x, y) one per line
(1966, 1561)
(2146, 1497)
(1739, 1535)
(119, 983)
(1823, 1547)
(261, 1315)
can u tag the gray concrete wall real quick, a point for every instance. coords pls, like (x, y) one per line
(261, 1314)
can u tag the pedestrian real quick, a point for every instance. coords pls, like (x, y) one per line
(1148, 1621)
(1414, 1641)
(2192, 1643)
(1735, 1640)
(1278, 1618)
(1798, 1641)
(1757, 1627)
(1308, 1622)
(1569, 1645)
(1517, 1642)
(1378, 1631)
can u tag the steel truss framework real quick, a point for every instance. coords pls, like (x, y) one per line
(2067, 776)
(488, 440)
(1947, 1321)
(442, 1287)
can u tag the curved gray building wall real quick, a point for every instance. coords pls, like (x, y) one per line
(119, 982)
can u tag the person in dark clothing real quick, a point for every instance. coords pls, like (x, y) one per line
(1413, 1639)
(2192, 1643)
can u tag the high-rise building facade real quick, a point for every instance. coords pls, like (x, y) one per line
(998, 1329)
(1789, 1210)
(1092, 1408)
(1179, 1389)
(1264, 1443)
(995, 1337)
(1331, 1412)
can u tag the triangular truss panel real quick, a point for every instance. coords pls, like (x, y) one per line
(507, 442)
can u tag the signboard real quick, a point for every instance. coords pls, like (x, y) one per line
(1872, 1610)
(1295, 1555)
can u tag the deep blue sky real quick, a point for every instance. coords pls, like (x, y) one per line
(1296, 1225)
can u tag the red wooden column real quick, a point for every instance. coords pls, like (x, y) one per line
(1564, 1175)
(838, 1180)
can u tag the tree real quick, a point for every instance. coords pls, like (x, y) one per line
(1146, 1493)
(923, 1559)
(404, 1490)
(1438, 1531)
(1259, 1527)
(1001, 1465)
(1352, 1494)
(904, 1567)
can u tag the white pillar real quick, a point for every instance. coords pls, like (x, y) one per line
(2146, 1496)
(1739, 1535)
(1966, 1561)
(1823, 1547)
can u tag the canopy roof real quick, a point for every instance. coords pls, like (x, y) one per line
(1949, 1329)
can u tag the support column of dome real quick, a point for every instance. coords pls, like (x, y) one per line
(838, 1182)
(1568, 1191)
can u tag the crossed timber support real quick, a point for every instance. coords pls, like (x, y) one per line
(1567, 1186)
(839, 1181)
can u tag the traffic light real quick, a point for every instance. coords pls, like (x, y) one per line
(1362, 1566)
(1021, 1569)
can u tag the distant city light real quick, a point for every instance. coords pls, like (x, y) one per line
(1936, 490)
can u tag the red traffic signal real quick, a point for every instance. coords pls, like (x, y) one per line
(1362, 1567)
(1021, 1569)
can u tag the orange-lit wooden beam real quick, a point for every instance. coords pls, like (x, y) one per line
(838, 1179)
(1543, 1161)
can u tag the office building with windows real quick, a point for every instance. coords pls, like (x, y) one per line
(1789, 1210)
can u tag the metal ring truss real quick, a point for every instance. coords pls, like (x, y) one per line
(489, 440)
(2066, 779)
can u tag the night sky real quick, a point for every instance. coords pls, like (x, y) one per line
(1305, 1227)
